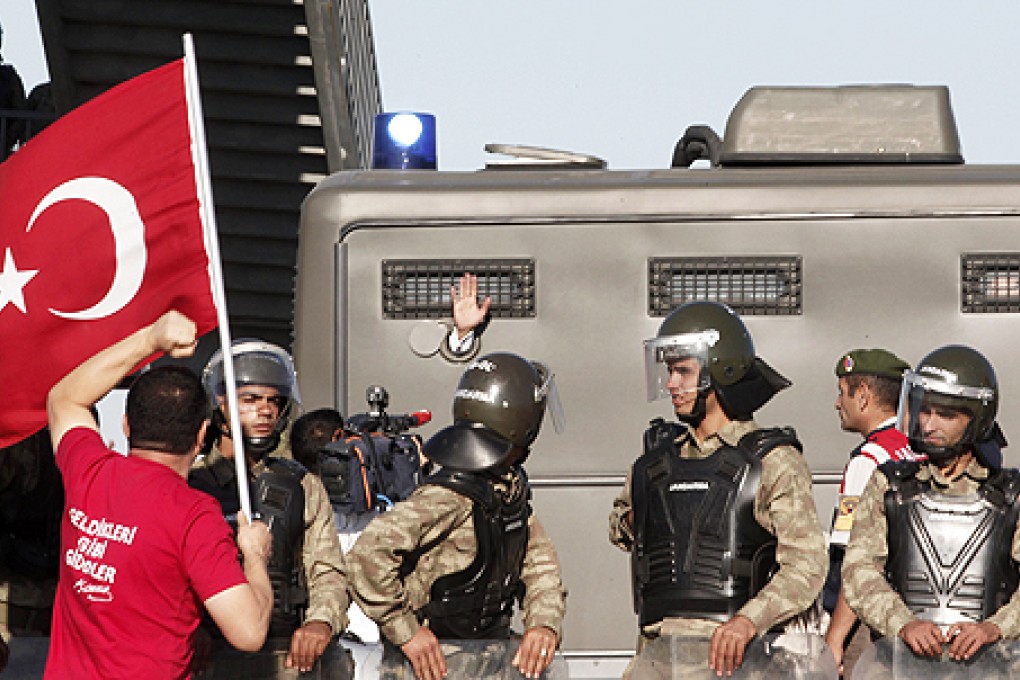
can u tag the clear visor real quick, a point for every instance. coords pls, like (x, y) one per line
(928, 392)
(686, 355)
(254, 363)
(547, 390)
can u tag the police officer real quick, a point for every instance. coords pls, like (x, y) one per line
(934, 548)
(449, 561)
(716, 504)
(309, 590)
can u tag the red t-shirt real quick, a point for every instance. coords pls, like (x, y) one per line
(140, 552)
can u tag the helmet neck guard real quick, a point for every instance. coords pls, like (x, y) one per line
(467, 446)
(741, 399)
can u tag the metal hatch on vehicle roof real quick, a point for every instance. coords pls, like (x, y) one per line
(523, 157)
(849, 124)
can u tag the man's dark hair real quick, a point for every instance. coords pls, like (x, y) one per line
(885, 389)
(311, 432)
(166, 407)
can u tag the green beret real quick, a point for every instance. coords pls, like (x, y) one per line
(871, 362)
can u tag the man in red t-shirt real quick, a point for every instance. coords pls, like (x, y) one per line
(142, 552)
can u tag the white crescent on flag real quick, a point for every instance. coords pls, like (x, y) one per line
(128, 236)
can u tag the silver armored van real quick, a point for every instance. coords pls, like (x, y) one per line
(829, 218)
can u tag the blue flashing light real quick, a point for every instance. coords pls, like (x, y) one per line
(405, 141)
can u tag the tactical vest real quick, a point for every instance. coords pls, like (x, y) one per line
(698, 551)
(477, 602)
(949, 556)
(279, 499)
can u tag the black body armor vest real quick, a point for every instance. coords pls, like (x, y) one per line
(949, 556)
(277, 496)
(698, 551)
(477, 603)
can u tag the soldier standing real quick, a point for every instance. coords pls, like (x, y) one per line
(449, 561)
(310, 597)
(717, 486)
(933, 552)
(869, 382)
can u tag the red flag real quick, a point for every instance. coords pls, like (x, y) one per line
(100, 233)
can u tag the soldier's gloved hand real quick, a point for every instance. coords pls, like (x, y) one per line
(307, 645)
(923, 637)
(726, 650)
(425, 655)
(969, 638)
(536, 651)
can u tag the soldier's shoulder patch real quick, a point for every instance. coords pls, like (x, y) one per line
(845, 512)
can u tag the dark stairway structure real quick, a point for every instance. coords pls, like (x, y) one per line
(268, 141)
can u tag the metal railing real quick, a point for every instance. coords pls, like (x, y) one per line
(17, 126)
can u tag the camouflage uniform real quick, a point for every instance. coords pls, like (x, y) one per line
(439, 521)
(320, 552)
(868, 592)
(784, 506)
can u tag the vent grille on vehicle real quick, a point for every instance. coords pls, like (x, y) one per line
(420, 289)
(990, 282)
(763, 286)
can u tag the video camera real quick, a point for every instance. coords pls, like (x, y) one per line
(377, 463)
(377, 420)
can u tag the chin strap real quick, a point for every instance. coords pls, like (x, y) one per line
(940, 456)
(698, 413)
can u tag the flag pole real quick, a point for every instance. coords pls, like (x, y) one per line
(212, 246)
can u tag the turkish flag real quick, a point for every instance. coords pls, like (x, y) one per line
(100, 234)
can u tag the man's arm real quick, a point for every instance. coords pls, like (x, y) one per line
(373, 568)
(544, 602)
(621, 519)
(242, 612)
(327, 588)
(785, 507)
(840, 625)
(373, 565)
(71, 399)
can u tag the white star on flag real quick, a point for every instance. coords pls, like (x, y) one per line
(12, 283)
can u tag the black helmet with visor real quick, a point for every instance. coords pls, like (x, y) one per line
(954, 379)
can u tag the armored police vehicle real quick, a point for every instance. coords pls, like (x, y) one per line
(828, 218)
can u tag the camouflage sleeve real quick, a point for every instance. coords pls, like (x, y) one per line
(621, 531)
(785, 506)
(545, 599)
(865, 586)
(321, 558)
(1007, 618)
(373, 565)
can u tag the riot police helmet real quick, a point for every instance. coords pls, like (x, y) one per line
(256, 363)
(499, 405)
(715, 337)
(950, 381)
